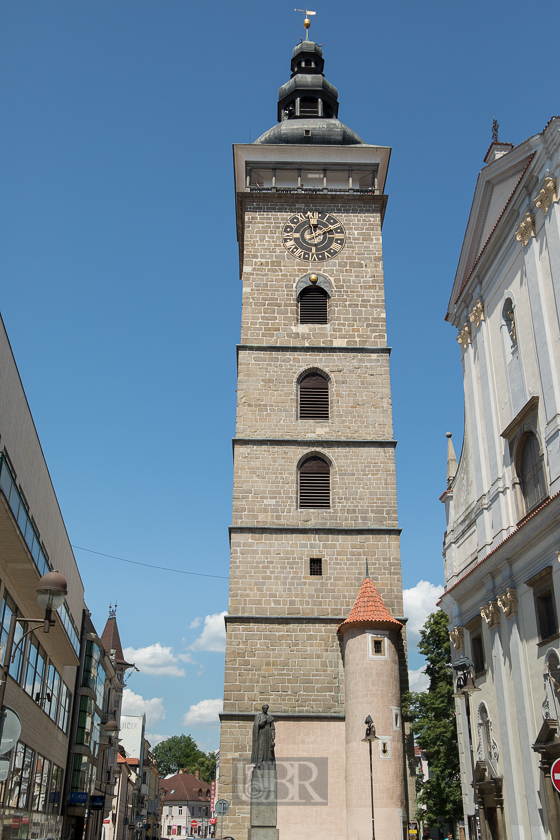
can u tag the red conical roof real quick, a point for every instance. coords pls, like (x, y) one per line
(370, 611)
(111, 640)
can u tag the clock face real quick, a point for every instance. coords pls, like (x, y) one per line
(313, 236)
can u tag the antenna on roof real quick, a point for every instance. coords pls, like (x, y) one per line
(306, 22)
(495, 128)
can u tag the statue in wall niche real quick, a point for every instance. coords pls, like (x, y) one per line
(263, 737)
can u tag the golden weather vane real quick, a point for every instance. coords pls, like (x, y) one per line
(306, 22)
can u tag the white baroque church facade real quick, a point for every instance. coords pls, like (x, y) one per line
(502, 501)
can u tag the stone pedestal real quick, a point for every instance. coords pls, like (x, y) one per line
(263, 802)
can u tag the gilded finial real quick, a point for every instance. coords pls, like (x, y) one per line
(306, 22)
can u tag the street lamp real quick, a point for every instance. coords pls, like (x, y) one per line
(51, 594)
(370, 736)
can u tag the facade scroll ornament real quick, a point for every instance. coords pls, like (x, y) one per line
(526, 230)
(508, 602)
(491, 614)
(464, 336)
(477, 314)
(457, 636)
(547, 195)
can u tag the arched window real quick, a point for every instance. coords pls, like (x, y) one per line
(313, 306)
(314, 397)
(314, 483)
(531, 473)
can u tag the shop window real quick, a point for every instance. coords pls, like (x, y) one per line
(40, 784)
(18, 794)
(55, 793)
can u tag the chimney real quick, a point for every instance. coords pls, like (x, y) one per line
(197, 774)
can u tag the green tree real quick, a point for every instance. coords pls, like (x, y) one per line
(181, 752)
(432, 717)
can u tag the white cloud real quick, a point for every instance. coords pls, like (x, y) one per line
(419, 602)
(213, 636)
(418, 680)
(134, 704)
(156, 660)
(154, 738)
(204, 714)
(194, 623)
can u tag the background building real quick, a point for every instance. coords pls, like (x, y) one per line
(185, 797)
(39, 683)
(502, 500)
(314, 493)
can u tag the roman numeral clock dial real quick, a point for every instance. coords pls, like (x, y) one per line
(313, 237)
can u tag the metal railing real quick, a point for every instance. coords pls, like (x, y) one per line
(32, 539)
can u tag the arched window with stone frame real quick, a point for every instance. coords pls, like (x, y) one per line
(313, 396)
(529, 464)
(314, 486)
(313, 299)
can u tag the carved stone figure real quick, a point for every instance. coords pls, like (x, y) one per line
(491, 614)
(508, 602)
(457, 636)
(487, 747)
(263, 737)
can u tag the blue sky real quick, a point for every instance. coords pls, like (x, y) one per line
(123, 305)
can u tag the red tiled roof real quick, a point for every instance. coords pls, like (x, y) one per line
(184, 787)
(509, 536)
(369, 610)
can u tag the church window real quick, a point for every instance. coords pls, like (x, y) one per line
(546, 615)
(314, 397)
(313, 306)
(314, 483)
(477, 650)
(531, 473)
(316, 566)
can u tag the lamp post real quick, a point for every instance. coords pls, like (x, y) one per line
(51, 594)
(370, 736)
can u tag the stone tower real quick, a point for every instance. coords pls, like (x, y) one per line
(314, 473)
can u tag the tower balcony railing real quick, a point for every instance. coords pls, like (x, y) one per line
(30, 534)
(355, 190)
(312, 180)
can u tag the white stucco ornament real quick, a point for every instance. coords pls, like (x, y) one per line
(508, 602)
(477, 314)
(457, 636)
(464, 336)
(491, 614)
(547, 195)
(526, 229)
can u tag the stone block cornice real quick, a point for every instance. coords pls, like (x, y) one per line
(314, 442)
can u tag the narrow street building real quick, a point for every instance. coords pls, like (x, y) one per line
(38, 668)
(185, 803)
(503, 497)
(309, 633)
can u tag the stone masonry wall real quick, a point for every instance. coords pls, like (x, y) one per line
(362, 479)
(294, 667)
(359, 394)
(269, 573)
(271, 273)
